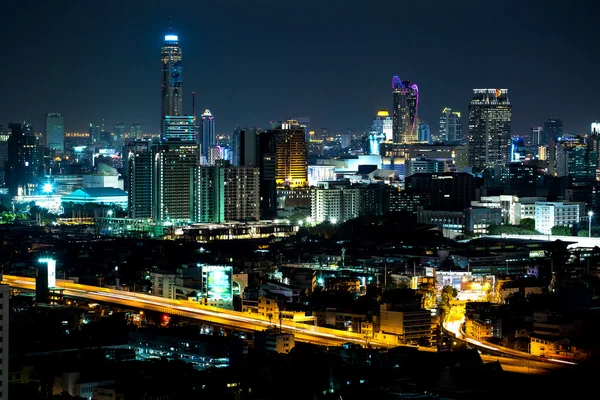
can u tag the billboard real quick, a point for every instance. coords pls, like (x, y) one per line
(51, 263)
(218, 282)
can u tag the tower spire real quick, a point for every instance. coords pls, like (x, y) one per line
(170, 23)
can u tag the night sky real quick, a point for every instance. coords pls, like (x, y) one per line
(251, 62)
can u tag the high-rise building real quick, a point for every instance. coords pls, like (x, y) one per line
(242, 199)
(424, 133)
(173, 176)
(405, 113)
(381, 130)
(304, 123)
(209, 194)
(179, 129)
(553, 128)
(94, 131)
(267, 158)
(24, 160)
(172, 91)
(119, 132)
(595, 128)
(136, 131)
(4, 330)
(207, 137)
(3, 152)
(244, 151)
(138, 180)
(536, 136)
(291, 154)
(54, 132)
(450, 126)
(448, 190)
(490, 115)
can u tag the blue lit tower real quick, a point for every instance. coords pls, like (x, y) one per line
(405, 111)
(207, 135)
(172, 94)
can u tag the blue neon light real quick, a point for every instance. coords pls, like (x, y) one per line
(171, 38)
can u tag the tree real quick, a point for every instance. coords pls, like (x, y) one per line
(583, 233)
(561, 231)
(528, 223)
(449, 293)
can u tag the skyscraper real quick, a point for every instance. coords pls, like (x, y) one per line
(553, 129)
(173, 175)
(94, 133)
(119, 132)
(242, 200)
(207, 137)
(136, 131)
(138, 180)
(490, 116)
(536, 136)
(172, 95)
(381, 130)
(450, 126)
(291, 153)
(405, 113)
(54, 132)
(424, 133)
(179, 129)
(209, 191)
(24, 160)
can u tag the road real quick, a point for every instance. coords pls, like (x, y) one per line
(511, 360)
(194, 310)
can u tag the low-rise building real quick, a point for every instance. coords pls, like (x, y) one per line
(410, 325)
(482, 329)
(558, 213)
(275, 340)
(470, 220)
(554, 347)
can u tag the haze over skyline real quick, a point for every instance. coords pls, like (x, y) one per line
(253, 62)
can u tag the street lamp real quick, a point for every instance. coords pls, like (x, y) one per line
(590, 215)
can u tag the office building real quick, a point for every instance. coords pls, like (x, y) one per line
(136, 131)
(241, 196)
(3, 153)
(336, 202)
(518, 152)
(553, 129)
(54, 132)
(119, 132)
(411, 325)
(4, 340)
(207, 137)
(291, 155)
(173, 176)
(424, 133)
(405, 113)
(551, 214)
(304, 123)
(520, 179)
(138, 181)
(473, 220)
(447, 190)
(94, 131)
(179, 129)
(537, 137)
(407, 201)
(209, 194)
(450, 126)
(381, 130)
(172, 91)
(22, 169)
(490, 115)
(577, 159)
(244, 150)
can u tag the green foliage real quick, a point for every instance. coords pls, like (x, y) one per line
(509, 230)
(583, 233)
(528, 224)
(561, 231)
(449, 293)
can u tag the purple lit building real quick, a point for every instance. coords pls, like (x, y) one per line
(405, 111)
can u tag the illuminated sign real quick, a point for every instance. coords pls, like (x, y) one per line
(171, 38)
(51, 263)
(498, 92)
(219, 281)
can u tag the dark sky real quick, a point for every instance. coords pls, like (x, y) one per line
(250, 62)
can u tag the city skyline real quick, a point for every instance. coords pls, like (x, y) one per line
(239, 76)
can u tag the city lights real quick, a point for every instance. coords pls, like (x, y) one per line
(48, 188)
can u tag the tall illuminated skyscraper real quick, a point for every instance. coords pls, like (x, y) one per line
(207, 137)
(490, 115)
(292, 155)
(54, 132)
(172, 95)
(450, 126)
(381, 130)
(405, 113)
